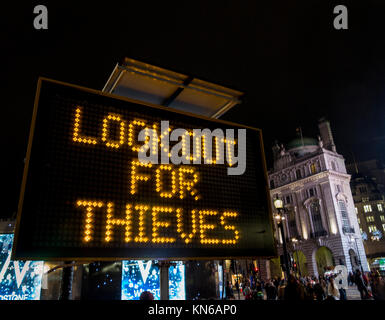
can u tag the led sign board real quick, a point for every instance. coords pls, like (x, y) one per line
(111, 178)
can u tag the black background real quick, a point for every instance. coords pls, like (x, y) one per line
(287, 58)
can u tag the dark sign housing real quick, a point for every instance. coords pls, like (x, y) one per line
(86, 196)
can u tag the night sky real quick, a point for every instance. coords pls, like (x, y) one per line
(286, 56)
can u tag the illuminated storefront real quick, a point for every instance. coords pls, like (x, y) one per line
(139, 276)
(379, 265)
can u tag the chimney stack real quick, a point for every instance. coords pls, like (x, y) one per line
(326, 134)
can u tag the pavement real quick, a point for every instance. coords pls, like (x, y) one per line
(352, 293)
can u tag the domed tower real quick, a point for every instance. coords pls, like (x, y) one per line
(302, 146)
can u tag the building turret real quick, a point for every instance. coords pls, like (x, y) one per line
(326, 135)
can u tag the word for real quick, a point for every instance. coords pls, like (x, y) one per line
(196, 221)
(192, 146)
(182, 179)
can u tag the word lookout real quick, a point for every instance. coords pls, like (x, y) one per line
(193, 146)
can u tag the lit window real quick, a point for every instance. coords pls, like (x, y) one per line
(355, 208)
(313, 168)
(372, 228)
(367, 208)
(383, 227)
(370, 219)
(358, 220)
(379, 207)
(382, 218)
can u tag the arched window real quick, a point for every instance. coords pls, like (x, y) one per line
(298, 174)
(334, 166)
(316, 218)
(272, 185)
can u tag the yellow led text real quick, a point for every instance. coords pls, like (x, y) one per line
(168, 224)
(194, 146)
(183, 180)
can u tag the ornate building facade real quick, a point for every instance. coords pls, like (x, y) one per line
(320, 226)
(368, 194)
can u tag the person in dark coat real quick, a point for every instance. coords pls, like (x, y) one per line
(319, 292)
(309, 291)
(361, 285)
(350, 279)
(271, 291)
(229, 291)
(293, 290)
(237, 286)
(276, 282)
(378, 288)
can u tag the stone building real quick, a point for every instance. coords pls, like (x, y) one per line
(368, 194)
(320, 223)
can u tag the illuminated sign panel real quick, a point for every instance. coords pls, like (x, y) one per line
(19, 280)
(88, 193)
(139, 276)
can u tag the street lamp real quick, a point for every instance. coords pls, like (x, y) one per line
(279, 217)
(278, 204)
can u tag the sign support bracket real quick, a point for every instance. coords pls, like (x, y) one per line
(66, 282)
(164, 281)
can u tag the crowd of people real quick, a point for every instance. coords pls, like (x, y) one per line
(328, 287)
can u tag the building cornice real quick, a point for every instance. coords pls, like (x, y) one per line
(306, 159)
(318, 176)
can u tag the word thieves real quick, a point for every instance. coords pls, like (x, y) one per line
(108, 178)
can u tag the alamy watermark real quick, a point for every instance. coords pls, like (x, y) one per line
(341, 20)
(41, 19)
(194, 146)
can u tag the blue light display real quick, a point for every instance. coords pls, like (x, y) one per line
(377, 234)
(176, 284)
(19, 280)
(139, 276)
(220, 276)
